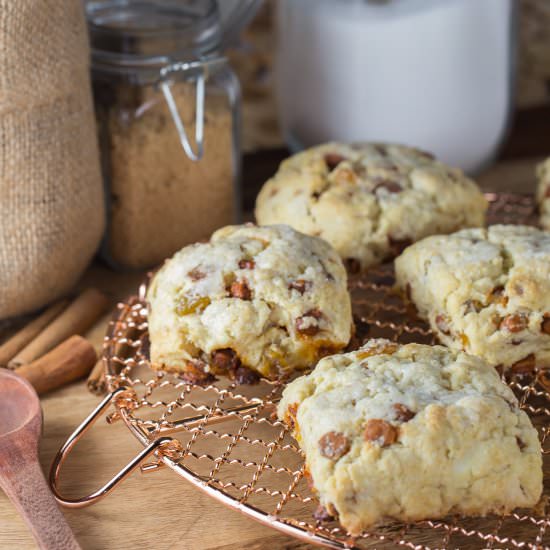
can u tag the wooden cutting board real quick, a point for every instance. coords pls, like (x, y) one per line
(156, 510)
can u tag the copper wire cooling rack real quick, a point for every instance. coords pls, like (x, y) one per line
(226, 440)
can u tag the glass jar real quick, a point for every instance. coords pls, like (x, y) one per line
(168, 111)
(428, 73)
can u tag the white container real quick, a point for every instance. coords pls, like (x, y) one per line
(436, 74)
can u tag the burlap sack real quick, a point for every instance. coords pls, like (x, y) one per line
(51, 203)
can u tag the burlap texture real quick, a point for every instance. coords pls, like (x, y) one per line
(51, 195)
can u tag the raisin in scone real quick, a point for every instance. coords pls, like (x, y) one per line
(484, 291)
(264, 299)
(543, 193)
(412, 432)
(369, 200)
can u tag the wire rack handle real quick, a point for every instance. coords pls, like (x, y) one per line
(161, 446)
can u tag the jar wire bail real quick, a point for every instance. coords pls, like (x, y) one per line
(199, 71)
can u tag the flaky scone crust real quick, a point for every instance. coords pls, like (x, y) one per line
(268, 299)
(369, 200)
(412, 432)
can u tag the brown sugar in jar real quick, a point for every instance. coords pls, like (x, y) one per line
(159, 199)
(167, 183)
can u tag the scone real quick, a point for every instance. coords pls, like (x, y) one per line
(369, 200)
(254, 299)
(412, 432)
(543, 193)
(484, 291)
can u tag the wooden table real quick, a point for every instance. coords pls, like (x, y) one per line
(156, 510)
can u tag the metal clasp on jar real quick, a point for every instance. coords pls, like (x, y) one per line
(198, 71)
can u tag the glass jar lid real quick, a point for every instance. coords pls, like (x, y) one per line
(133, 34)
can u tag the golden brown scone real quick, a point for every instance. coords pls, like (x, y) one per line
(266, 298)
(369, 200)
(484, 291)
(412, 432)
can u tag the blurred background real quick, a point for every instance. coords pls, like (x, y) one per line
(254, 62)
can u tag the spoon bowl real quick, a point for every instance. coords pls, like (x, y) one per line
(18, 403)
(21, 477)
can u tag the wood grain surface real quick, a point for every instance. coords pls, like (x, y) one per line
(156, 510)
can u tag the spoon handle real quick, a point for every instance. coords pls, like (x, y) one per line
(23, 481)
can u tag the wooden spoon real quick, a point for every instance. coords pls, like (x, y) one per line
(20, 474)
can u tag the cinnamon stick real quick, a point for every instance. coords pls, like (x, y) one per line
(96, 380)
(20, 339)
(71, 360)
(77, 318)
